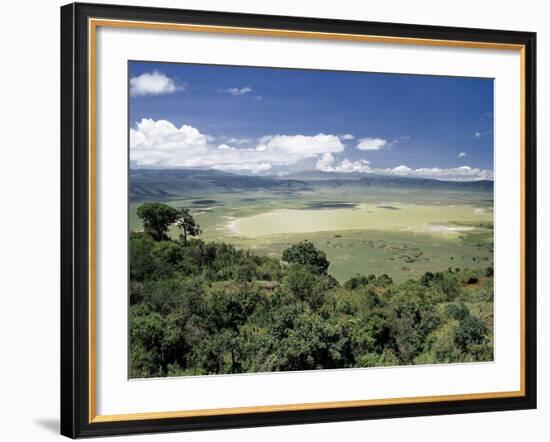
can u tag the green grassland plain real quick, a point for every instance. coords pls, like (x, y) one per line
(401, 232)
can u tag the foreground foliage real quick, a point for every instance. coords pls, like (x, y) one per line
(204, 308)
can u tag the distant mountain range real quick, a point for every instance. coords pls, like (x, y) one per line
(376, 180)
(172, 183)
(164, 184)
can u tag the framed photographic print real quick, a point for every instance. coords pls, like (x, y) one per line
(279, 220)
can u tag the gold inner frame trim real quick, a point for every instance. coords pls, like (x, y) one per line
(93, 24)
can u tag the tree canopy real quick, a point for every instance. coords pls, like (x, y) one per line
(157, 218)
(305, 253)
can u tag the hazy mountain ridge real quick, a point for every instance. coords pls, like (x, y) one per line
(172, 183)
(165, 184)
(364, 179)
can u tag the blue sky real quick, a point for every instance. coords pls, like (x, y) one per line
(276, 121)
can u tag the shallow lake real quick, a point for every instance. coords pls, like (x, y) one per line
(436, 219)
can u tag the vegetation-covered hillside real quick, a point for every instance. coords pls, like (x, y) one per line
(201, 308)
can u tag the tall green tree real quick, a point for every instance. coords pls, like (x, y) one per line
(157, 218)
(305, 253)
(187, 224)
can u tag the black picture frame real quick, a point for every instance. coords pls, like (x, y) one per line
(75, 220)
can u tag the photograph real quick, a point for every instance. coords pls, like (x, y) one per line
(300, 219)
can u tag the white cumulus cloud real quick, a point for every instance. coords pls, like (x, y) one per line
(161, 144)
(154, 83)
(235, 91)
(461, 154)
(477, 135)
(462, 173)
(402, 170)
(326, 164)
(371, 143)
(347, 137)
(239, 141)
(296, 147)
